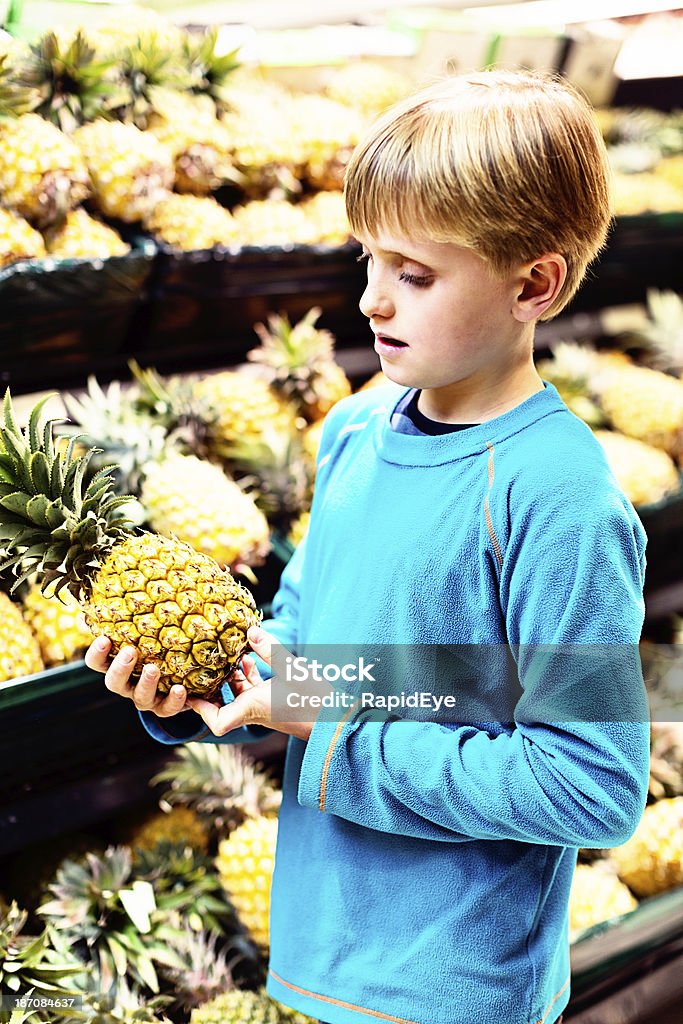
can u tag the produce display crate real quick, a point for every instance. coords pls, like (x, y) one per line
(631, 971)
(201, 307)
(61, 318)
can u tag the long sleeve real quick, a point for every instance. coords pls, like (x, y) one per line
(572, 768)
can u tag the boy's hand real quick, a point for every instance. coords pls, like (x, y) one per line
(143, 692)
(252, 703)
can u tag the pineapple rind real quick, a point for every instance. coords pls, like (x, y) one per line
(149, 583)
(645, 473)
(58, 623)
(225, 524)
(245, 865)
(651, 861)
(18, 240)
(596, 896)
(19, 650)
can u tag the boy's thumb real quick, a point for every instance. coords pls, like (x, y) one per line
(255, 635)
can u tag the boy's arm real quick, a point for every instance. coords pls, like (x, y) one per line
(188, 727)
(549, 779)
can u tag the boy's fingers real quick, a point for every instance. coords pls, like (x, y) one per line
(172, 703)
(262, 643)
(117, 676)
(246, 709)
(97, 655)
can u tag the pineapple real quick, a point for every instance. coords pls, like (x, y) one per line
(311, 440)
(300, 364)
(666, 759)
(326, 213)
(73, 84)
(148, 70)
(211, 70)
(109, 918)
(245, 867)
(671, 170)
(31, 963)
(19, 649)
(58, 623)
(205, 972)
(570, 371)
(644, 473)
(367, 87)
(42, 173)
(664, 334)
(264, 150)
(272, 222)
(176, 607)
(652, 859)
(596, 896)
(642, 403)
(18, 240)
(194, 501)
(178, 825)
(201, 145)
(130, 170)
(240, 406)
(245, 1007)
(84, 237)
(299, 529)
(326, 133)
(219, 783)
(191, 222)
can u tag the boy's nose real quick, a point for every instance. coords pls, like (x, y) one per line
(375, 303)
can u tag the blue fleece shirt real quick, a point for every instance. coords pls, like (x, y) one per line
(423, 868)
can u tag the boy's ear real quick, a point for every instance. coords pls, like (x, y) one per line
(538, 285)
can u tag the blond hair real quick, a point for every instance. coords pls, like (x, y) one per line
(510, 164)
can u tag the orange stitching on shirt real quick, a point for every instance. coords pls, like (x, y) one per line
(554, 999)
(487, 510)
(340, 1002)
(328, 756)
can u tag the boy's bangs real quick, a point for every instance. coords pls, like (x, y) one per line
(391, 190)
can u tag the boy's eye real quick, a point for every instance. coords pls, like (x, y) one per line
(414, 279)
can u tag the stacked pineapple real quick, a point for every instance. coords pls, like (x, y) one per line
(646, 150)
(636, 412)
(139, 121)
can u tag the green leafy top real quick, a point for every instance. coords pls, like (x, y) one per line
(51, 523)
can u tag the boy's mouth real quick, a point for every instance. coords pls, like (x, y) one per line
(386, 342)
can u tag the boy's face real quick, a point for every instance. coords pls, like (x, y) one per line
(441, 319)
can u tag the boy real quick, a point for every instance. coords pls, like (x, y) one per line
(423, 867)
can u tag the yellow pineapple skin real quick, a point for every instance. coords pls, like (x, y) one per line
(130, 169)
(175, 607)
(58, 624)
(180, 825)
(83, 237)
(596, 895)
(245, 407)
(190, 223)
(245, 865)
(18, 240)
(651, 861)
(19, 650)
(646, 474)
(42, 172)
(225, 524)
(643, 403)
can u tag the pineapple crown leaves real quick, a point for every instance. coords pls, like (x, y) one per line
(73, 84)
(15, 98)
(290, 348)
(111, 916)
(220, 783)
(206, 970)
(209, 70)
(112, 420)
(149, 73)
(51, 523)
(31, 961)
(664, 334)
(187, 889)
